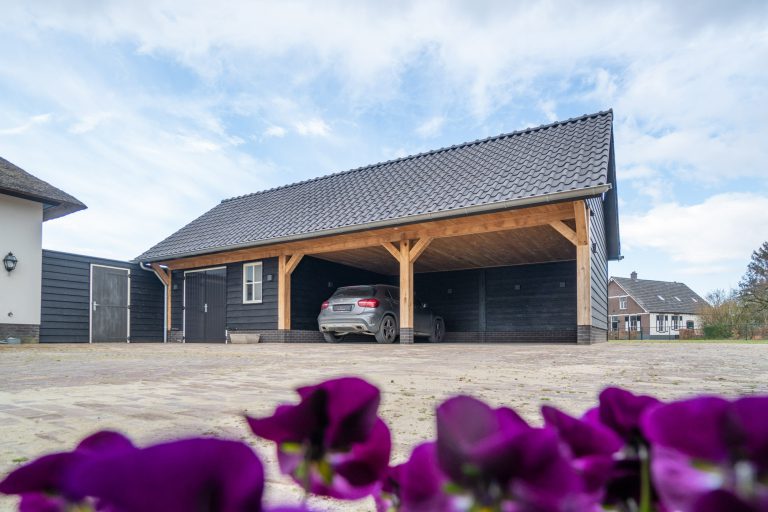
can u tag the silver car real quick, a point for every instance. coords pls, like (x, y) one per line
(374, 310)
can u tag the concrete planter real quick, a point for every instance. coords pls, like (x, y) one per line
(242, 338)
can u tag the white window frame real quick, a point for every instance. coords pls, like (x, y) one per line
(622, 303)
(254, 265)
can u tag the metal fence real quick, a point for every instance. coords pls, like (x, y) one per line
(714, 332)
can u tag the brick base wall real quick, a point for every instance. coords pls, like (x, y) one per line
(27, 333)
(558, 336)
(589, 334)
(584, 334)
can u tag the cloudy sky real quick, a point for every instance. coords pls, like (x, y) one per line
(153, 111)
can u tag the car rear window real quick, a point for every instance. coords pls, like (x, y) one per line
(354, 291)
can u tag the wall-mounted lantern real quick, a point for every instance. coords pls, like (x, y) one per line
(10, 262)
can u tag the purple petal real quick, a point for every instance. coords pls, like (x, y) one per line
(748, 429)
(105, 441)
(582, 438)
(48, 474)
(354, 474)
(351, 406)
(39, 502)
(540, 469)
(677, 481)
(418, 484)
(722, 501)
(695, 427)
(289, 423)
(470, 433)
(621, 411)
(191, 474)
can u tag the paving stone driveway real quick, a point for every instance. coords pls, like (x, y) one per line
(53, 395)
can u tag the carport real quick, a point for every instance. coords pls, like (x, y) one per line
(510, 236)
(442, 263)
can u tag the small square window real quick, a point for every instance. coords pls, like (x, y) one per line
(252, 283)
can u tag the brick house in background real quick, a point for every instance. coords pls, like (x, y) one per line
(647, 309)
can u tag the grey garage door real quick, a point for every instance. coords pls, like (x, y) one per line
(110, 288)
(205, 305)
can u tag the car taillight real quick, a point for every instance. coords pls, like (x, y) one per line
(368, 303)
(324, 305)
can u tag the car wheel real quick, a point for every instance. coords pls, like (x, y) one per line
(438, 331)
(387, 330)
(331, 337)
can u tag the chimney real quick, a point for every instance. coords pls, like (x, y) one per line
(633, 275)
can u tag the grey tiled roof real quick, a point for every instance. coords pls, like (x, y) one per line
(677, 297)
(15, 181)
(567, 159)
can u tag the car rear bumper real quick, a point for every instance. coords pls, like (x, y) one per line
(359, 323)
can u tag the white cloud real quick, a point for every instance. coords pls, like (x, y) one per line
(27, 125)
(275, 131)
(722, 229)
(89, 122)
(431, 127)
(315, 127)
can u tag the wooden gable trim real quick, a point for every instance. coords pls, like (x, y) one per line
(468, 225)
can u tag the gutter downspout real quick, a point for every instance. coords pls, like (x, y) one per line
(165, 300)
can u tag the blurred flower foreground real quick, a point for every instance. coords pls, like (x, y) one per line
(629, 453)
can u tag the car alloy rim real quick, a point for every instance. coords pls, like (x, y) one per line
(389, 329)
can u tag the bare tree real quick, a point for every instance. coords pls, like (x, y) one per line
(753, 287)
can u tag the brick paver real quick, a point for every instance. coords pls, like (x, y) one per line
(53, 395)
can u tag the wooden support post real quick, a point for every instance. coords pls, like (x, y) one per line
(165, 277)
(285, 267)
(583, 273)
(406, 293)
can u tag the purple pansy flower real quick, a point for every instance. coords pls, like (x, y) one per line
(200, 474)
(501, 461)
(416, 485)
(43, 484)
(712, 442)
(591, 445)
(332, 442)
(622, 411)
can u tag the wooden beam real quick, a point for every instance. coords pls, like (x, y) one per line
(283, 293)
(467, 225)
(563, 228)
(406, 290)
(581, 215)
(168, 295)
(419, 248)
(165, 277)
(394, 251)
(292, 263)
(583, 266)
(161, 273)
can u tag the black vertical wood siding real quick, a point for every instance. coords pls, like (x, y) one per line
(309, 287)
(64, 315)
(252, 316)
(540, 303)
(599, 263)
